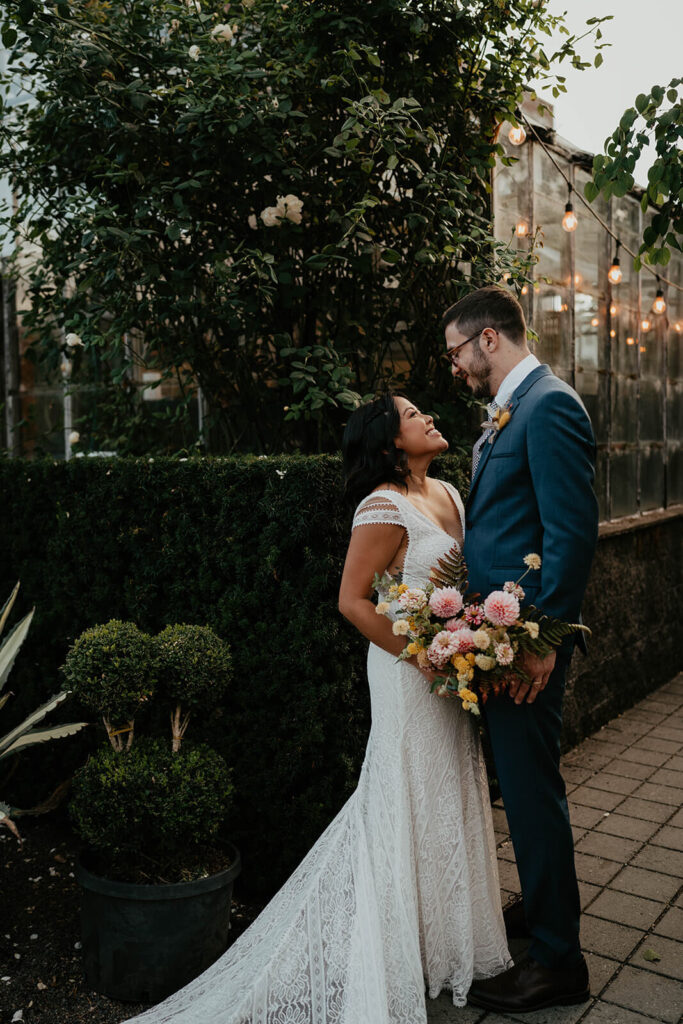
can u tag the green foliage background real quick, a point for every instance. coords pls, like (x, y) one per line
(140, 174)
(252, 547)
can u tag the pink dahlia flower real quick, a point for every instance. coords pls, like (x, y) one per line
(446, 602)
(453, 625)
(463, 640)
(514, 588)
(441, 649)
(501, 609)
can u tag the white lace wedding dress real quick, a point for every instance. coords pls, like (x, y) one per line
(401, 890)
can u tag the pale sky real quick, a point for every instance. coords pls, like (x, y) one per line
(646, 50)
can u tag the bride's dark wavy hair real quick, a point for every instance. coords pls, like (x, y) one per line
(370, 455)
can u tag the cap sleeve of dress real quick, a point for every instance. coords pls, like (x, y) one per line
(378, 508)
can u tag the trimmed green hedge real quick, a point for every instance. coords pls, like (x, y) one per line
(252, 547)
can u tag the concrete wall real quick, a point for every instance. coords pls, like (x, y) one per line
(634, 606)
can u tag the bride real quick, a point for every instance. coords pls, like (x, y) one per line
(401, 890)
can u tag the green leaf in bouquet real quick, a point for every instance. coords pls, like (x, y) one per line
(551, 631)
(451, 570)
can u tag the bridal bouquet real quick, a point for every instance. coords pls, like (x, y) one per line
(478, 645)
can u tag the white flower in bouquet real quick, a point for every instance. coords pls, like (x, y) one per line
(400, 627)
(481, 639)
(222, 34)
(382, 607)
(532, 561)
(532, 629)
(484, 662)
(412, 600)
(504, 654)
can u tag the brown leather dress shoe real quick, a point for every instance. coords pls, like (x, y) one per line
(515, 921)
(529, 986)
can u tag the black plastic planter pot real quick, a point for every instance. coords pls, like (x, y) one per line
(142, 942)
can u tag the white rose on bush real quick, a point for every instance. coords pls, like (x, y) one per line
(288, 208)
(74, 437)
(270, 216)
(73, 341)
(292, 207)
(222, 34)
(193, 53)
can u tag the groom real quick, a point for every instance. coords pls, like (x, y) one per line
(531, 492)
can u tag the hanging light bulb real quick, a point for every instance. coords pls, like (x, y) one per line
(570, 220)
(614, 273)
(645, 324)
(677, 327)
(525, 289)
(612, 333)
(594, 322)
(630, 341)
(516, 135)
(613, 309)
(521, 229)
(659, 305)
(643, 348)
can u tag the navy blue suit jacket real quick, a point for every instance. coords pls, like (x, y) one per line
(533, 492)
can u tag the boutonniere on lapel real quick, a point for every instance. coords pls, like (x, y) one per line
(498, 422)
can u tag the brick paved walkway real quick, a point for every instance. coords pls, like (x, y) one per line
(625, 786)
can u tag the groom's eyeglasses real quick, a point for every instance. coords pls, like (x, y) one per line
(452, 354)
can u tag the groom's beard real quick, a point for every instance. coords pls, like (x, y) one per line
(479, 375)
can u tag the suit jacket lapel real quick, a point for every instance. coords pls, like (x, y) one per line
(541, 371)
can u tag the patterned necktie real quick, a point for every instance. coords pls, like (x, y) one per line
(481, 441)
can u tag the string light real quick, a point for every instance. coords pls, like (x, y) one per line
(630, 341)
(612, 333)
(614, 273)
(677, 327)
(570, 220)
(592, 212)
(516, 135)
(613, 309)
(645, 324)
(525, 289)
(659, 305)
(643, 349)
(521, 229)
(594, 322)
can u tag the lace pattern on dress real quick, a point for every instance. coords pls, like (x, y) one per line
(400, 890)
(376, 509)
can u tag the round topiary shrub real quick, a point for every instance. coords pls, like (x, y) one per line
(194, 669)
(149, 814)
(111, 669)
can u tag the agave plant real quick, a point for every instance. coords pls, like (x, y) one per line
(28, 732)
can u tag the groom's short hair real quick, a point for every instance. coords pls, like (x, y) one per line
(491, 306)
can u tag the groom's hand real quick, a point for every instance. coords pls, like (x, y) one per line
(538, 670)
